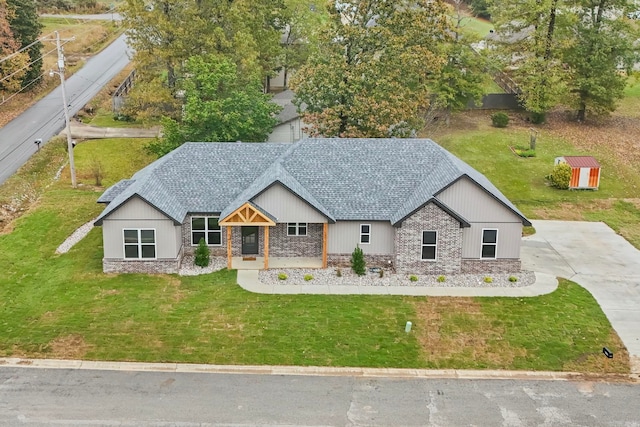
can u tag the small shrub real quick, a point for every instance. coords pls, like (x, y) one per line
(500, 119)
(524, 152)
(97, 171)
(339, 272)
(308, 277)
(441, 279)
(488, 279)
(538, 118)
(413, 278)
(282, 276)
(561, 176)
(513, 279)
(202, 254)
(381, 273)
(358, 264)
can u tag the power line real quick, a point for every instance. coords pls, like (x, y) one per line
(39, 40)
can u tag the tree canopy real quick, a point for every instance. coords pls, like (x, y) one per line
(26, 28)
(221, 104)
(570, 52)
(370, 75)
(13, 67)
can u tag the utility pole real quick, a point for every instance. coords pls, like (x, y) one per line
(60, 72)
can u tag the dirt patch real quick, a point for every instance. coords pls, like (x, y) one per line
(106, 292)
(596, 363)
(68, 347)
(572, 211)
(619, 135)
(457, 327)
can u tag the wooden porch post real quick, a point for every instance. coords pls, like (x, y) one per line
(325, 228)
(266, 247)
(229, 247)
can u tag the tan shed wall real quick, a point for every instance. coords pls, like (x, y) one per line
(509, 239)
(287, 207)
(474, 204)
(345, 235)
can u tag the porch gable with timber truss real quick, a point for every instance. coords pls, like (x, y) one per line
(247, 215)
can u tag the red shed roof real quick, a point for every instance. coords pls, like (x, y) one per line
(582, 161)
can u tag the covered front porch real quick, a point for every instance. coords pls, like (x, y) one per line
(246, 263)
(248, 246)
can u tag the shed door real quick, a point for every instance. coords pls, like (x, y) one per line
(584, 178)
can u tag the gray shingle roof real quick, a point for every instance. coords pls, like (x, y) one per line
(344, 179)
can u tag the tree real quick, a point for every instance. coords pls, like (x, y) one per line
(26, 28)
(201, 258)
(220, 105)
(602, 47)
(370, 75)
(301, 20)
(530, 46)
(358, 264)
(461, 78)
(166, 33)
(14, 65)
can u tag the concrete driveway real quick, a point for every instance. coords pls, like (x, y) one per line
(593, 255)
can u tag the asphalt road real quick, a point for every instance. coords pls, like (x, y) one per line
(46, 118)
(37, 397)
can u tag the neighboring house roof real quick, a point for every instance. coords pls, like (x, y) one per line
(289, 110)
(344, 179)
(581, 161)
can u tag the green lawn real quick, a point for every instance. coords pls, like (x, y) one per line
(64, 306)
(522, 179)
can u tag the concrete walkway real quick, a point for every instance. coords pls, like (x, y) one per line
(593, 255)
(545, 283)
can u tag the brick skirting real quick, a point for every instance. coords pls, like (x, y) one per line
(155, 266)
(482, 266)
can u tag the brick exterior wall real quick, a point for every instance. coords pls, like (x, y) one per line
(281, 245)
(372, 260)
(495, 266)
(186, 239)
(236, 242)
(152, 266)
(408, 241)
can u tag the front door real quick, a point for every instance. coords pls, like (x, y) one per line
(249, 240)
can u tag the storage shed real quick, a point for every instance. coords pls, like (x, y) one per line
(585, 171)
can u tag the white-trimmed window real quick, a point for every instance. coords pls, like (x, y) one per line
(489, 243)
(365, 234)
(296, 229)
(139, 243)
(429, 245)
(207, 228)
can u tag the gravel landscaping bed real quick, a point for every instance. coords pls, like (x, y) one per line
(347, 277)
(188, 268)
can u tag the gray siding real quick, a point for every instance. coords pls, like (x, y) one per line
(290, 131)
(509, 239)
(287, 207)
(168, 236)
(136, 213)
(474, 204)
(343, 236)
(136, 208)
(483, 211)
